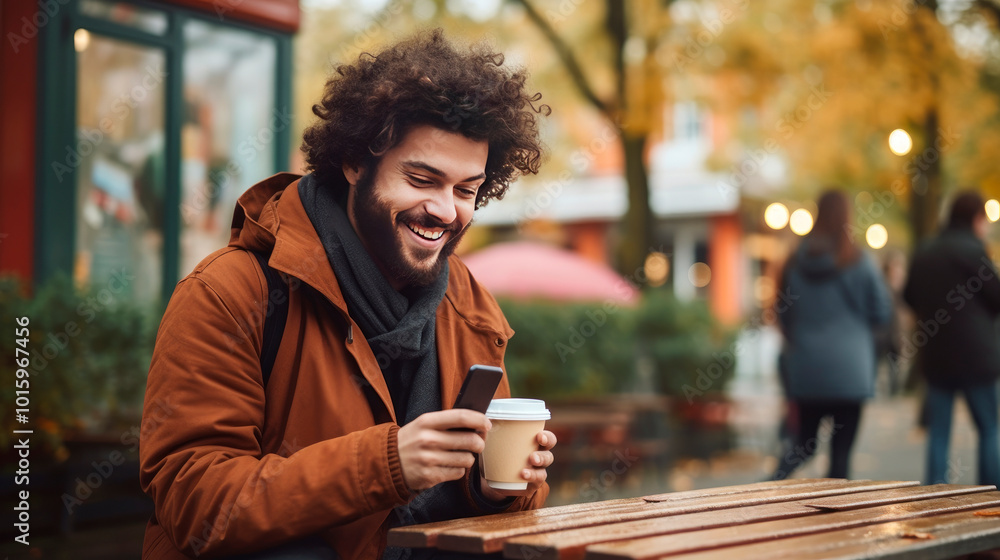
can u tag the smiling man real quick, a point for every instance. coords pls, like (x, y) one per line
(352, 431)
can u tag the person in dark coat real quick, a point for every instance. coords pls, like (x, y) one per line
(833, 298)
(954, 290)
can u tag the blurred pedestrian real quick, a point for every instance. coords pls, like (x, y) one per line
(889, 337)
(833, 296)
(954, 290)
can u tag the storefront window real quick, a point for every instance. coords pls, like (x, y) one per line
(119, 156)
(228, 131)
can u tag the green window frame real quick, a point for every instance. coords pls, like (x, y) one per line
(55, 192)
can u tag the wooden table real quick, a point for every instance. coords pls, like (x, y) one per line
(791, 519)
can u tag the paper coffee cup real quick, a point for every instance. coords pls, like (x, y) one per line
(511, 440)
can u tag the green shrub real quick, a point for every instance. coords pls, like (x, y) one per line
(89, 355)
(554, 352)
(581, 350)
(690, 351)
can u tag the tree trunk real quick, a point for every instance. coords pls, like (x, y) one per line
(637, 227)
(926, 181)
(926, 166)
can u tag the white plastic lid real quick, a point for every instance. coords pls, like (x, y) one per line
(518, 409)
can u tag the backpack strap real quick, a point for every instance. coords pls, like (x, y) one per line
(274, 328)
(274, 318)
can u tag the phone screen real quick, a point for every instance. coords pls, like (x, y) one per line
(479, 387)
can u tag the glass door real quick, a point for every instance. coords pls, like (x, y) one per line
(229, 129)
(155, 118)
(120, 178)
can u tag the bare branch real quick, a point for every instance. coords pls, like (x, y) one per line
(568, 58)
(991, 7)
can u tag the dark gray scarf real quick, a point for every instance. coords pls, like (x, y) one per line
(399, 329)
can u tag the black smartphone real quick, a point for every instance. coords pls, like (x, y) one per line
(478, 388)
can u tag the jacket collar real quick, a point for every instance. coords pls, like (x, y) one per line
(270, 217)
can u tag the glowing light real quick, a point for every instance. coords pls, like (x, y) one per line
(993, 209)
(801, 221)
(81, 40)
(657, 268)
(776, 215)
(764, 288)
(900, 142)
(700, 274)
(877, 236)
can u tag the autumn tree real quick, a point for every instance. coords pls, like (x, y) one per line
(632, 105)
(828, 81)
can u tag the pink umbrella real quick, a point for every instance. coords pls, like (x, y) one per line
(525, 270)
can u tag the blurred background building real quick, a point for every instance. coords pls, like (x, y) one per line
(130, 128)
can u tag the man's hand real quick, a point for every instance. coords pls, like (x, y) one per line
(535, 474)
(431, 454)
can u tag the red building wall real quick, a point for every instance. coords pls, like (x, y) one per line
(19, 23)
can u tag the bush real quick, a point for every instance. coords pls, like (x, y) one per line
(564, 350)
(581, 350)
(89, 355)
(691, 352)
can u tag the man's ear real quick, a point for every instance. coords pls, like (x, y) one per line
(352, 172)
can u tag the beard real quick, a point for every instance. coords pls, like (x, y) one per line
(383, 237)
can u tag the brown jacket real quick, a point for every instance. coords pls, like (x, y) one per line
(232, 468)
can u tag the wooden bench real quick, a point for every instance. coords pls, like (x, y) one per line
(790, 519)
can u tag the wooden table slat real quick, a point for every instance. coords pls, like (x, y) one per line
(662, 546)
(743, 488)
(871, 499)
(489, 534)
(953, 534)
(425, 535)
(570, 544)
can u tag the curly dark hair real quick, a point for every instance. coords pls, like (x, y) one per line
(369, 106)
